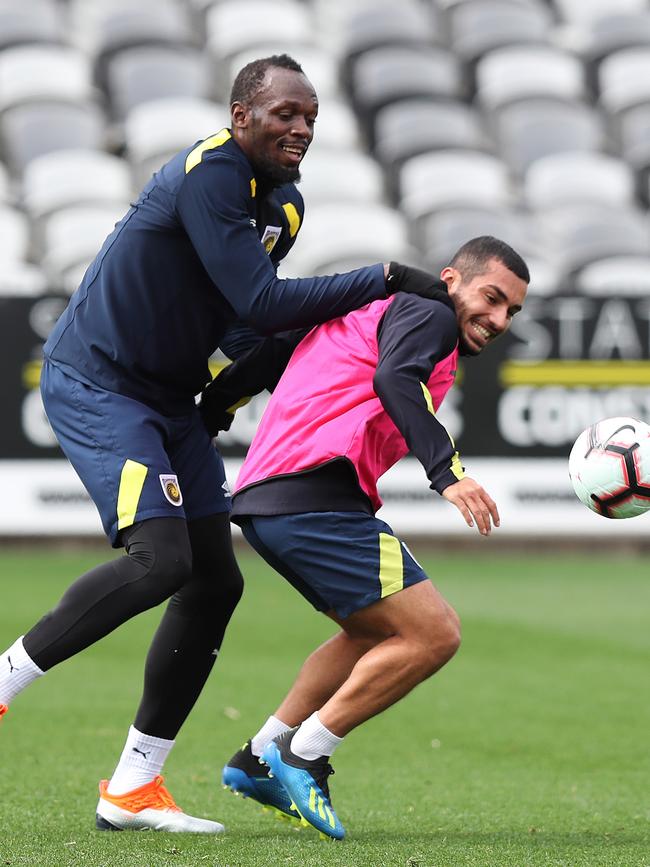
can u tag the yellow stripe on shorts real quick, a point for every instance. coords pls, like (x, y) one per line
(391, 564)
(128, 497)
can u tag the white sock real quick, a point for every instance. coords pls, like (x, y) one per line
(17, 671)
(141, 761)
(313, 740)
(271, 729)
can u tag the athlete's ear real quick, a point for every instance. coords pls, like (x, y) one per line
(452, 278)
(239, 114)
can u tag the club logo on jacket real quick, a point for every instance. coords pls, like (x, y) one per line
(270, 237)
(171, 489)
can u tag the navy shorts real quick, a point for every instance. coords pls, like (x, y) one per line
(341, 561)
(134, 462)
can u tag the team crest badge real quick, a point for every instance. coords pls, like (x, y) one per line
(171, 489)
(270, 237)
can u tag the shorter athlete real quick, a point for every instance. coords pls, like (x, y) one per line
(358, 393)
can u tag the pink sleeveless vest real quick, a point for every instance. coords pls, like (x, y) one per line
(325, 406)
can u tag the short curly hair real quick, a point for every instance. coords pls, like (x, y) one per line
(248, 82)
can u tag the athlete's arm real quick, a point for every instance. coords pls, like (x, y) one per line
(258, 369)
(413, 336)
(212, 204)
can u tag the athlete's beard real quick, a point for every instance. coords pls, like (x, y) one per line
(276, 175)
(465, 349)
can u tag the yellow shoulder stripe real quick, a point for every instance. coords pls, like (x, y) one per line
(293, 217)
(214, 141)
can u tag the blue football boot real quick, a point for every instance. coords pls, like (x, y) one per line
(306, 783)
(247, 775)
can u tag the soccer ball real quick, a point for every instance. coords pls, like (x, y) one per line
(609, 467)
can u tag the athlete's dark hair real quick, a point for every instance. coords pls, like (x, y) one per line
(473, 256)
(249, 79)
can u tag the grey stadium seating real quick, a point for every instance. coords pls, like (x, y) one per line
(34, 128)
(148, 72)
(527, 118)
(534, 128)
(385, 75)
(30, 23)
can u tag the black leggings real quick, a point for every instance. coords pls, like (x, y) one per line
(194, 564)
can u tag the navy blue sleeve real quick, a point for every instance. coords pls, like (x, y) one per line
(258, 369)
(238, 340)
(212, 205)
(413, 336)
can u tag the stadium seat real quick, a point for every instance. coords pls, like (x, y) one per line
(106, 27)
(411, 127)
(580, 234)
(149, 72)
(530, 129)
(63, 178)
(336, 127)
(391, 73)
(36, 21)
(479, 26)
(575, 177)
(73, 237)
(372, 25)
(22, 279)
(624, 79)
(449, 178)
(233, 26)
(5, 184)
(31, 129)
(15, 234)
(362, 233)
(518, 72)
(634, 136)
(340, 175)
(579, 13)
(545, 276)
(43, 72)
(628, 275)
(155, 130)
(442, 232)
(615, 31)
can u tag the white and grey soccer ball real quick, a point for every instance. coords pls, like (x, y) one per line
(609, 467)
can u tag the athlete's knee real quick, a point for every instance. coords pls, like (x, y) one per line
(440, 641)
(161, 548)
(208, 594)
(217, 581)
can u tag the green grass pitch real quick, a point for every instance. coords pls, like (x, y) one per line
(529, 748)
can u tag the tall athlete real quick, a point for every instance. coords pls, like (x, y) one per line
(357, 394)
(197, 251)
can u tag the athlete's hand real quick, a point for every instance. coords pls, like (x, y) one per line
(474, 503)
(403, 278)
(216, 407)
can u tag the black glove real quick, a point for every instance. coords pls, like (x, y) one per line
(403, 278)
(218, 405)
(258, 369)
